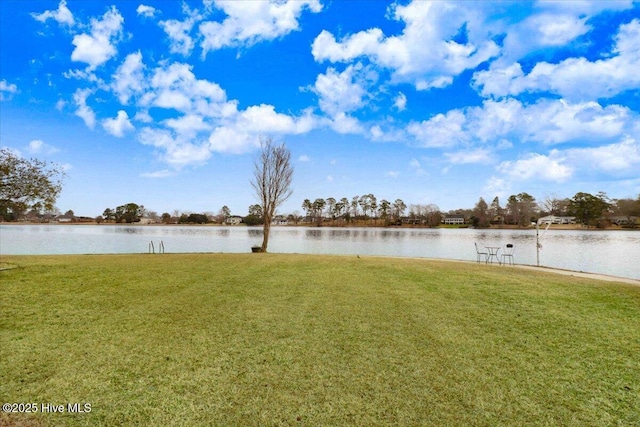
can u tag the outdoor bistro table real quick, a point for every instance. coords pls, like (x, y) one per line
(493, 253)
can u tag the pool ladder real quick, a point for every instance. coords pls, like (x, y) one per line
(152, 248)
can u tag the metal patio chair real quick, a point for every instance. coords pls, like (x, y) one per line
(479, 254)
(507, 253)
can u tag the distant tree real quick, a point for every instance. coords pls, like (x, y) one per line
(152, 215)
(27, 184)
(331, 207)
(255, 215)
(109, 215)
(627, 207)
(496, 212)
(383, 210)
(197, 218)
(354, 207)
(166, 218)
(521, 208)
(555, 206)
(588, 208)
(398, 208)
(129, 213)
(480, 214)
(99, 219)
(344, 203)
(272, 178)
(69, 213)
(433, 215)
(307, 207)
(317, 209)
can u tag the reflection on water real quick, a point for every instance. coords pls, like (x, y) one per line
(609, 252)
(252, 232)
(314, 234)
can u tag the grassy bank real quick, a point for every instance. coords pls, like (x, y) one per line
(314, 340)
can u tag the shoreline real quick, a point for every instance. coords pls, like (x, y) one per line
(564, 227)
(542, 269)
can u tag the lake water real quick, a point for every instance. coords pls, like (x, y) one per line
(615, 252)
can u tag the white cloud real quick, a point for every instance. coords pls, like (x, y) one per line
(442, 130)
(60, 104)
(546, 121)
(146, 11)
(479, 155)
(176, 87)
(341, 92)
(7, 90)
(178, 31)
(98, 47)
(345, 124)
(232, 140)
(400, 102)
(83, 110)
(621, 157)
(118, 125)
(572, 78)
(538, 167)
(426, 53)
(38, 146)
(248, 23)
(129, 78)
(304, 158)
(62, 15)
(176, 151)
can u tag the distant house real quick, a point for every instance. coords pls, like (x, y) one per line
(624, 220)
(453, 219)
(279, 220)
(64, 218)
(233, 220)
(553, 219)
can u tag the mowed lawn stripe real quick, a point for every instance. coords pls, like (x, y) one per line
(269, 339)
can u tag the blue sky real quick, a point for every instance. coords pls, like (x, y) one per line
(163, 103)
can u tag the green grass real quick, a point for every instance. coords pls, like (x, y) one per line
(265, 340)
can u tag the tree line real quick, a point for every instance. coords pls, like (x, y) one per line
(29, 187)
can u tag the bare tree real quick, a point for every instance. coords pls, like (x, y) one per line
(272, 177)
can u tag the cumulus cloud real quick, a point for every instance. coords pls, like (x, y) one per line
(621, 157)
(38, 146)
(7, 90)
(175, 150)
(342, 92)
(98, 46)
(62, 15)
(432, 24)
(118, 125)
(539, 167)
(572, 78)
(248, 23)
(400, 102)
(179, 31)
(442, 130)
(129, 78)
(546, 121)
(146, 11)
(82, 109)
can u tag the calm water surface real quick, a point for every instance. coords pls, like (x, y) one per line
(615, 253)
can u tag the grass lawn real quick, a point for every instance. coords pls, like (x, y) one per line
(255, 339)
